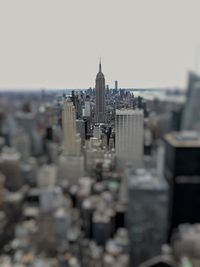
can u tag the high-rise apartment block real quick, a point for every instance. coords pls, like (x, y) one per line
(129, 127)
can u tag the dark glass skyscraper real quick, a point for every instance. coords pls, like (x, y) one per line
(100, 96)
(182, 171)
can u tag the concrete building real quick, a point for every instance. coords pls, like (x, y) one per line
(129, 136)
(71, 162)
(72, 141)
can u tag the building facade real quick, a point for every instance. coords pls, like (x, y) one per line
(72, 141)
(182, 171)
(129, 136)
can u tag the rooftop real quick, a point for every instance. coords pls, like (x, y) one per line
(129, 111)
(183, 139)
(145, 179)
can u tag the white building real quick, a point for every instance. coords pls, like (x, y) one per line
(129, 136)
(72, 141)
(71, 162)
(87, 109)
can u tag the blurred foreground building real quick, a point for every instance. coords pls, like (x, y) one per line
(182, 171)
(147, 214)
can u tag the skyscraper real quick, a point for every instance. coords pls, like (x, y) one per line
(191, 114)
(147, 205)
(71, 162)
(116, 85)
(129, 136)
(100, 96)
(190, 117)
(182, 171)
(72, 141)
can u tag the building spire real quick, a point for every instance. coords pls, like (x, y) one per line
(100, 64)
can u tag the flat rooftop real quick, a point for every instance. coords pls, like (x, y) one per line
(129, 111)
(183, 139)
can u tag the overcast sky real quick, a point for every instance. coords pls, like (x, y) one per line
(57, 43)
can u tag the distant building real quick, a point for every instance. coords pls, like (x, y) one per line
(71, 162)
(191, 112)
(93, 153)
(129, 127)
(72, 141)
(10, 166)
(46, 176)
(116, 85)
(100, 96)
(97, 132)
(87, 110)
(22, 143)
(182, 171)
(80, 128)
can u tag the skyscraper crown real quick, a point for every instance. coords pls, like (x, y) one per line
(100, 74)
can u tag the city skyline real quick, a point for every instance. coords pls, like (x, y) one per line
(57, 45)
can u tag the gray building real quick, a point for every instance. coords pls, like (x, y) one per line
(191, 112)
(80, 129)
(147, 214)
(100, 96)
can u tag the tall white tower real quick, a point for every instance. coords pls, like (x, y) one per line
(129, 136)
(72, 141)
(70, 165)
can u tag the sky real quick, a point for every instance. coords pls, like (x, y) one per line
(57, 43)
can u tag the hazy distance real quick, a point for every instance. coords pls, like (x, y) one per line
(57, 44)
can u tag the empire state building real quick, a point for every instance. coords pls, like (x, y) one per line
(100, 96)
